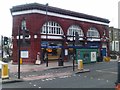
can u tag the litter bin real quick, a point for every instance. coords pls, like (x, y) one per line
(4, 71)
(60, 62)
(98, 59)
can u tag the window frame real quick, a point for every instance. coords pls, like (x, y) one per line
(53, 28)
(93, 32)
(75, 28)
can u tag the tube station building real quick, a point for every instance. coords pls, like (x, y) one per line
(52, 30)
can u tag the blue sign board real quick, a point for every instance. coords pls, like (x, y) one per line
(52, 46)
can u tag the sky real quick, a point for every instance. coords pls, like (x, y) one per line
(101, 8)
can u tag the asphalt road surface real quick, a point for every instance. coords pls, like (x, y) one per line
(101, 75)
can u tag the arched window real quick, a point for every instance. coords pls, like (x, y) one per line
(52, 28)
(93, 32)
(75, 28)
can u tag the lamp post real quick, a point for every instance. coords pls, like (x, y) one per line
(18, 53)
(23, 27)
(46, 35)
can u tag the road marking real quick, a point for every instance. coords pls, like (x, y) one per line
(74, 75)
(43, 80)
(106, 71)
(46, 79)
(49, 79)
(107, 81)
(99, 79)
(66, 76)
(39, 87)
(34, 85)
(62, 77)
(91, 78)
(53, 78)
(30, 83)
(33, 75)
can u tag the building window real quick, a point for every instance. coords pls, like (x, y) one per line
(75, 28)
(53, 28)
(93, 32)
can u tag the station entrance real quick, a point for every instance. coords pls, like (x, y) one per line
(53, 49)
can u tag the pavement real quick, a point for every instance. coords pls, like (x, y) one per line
(13, 69)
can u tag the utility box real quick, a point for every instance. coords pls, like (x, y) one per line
(4, 71)
(87, 55)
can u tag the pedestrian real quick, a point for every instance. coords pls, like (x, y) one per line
(45, 56)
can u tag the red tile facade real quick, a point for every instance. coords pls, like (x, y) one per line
(34, 23)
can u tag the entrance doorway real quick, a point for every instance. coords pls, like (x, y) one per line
(54, 51)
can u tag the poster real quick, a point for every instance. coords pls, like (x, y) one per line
(24, 54)
(93, 56)
(66, 52)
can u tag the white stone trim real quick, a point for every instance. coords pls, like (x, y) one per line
(51, 37)
(35, 36)
(71, 38)
(93, 39)
(57, 15)
(21, 37)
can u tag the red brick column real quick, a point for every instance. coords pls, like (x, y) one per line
(15, 50)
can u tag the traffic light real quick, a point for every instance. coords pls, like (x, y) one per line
(5, 40)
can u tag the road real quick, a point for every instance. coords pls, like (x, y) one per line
(101, 75)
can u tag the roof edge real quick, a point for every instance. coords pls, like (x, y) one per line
(56, 10)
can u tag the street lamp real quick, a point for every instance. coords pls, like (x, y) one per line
(46, 35)
(23, 28)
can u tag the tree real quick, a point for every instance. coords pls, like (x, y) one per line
(8, 48)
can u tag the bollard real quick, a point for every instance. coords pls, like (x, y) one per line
(4, 71)
(80, 64)
(106, 59)
(20, 60)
